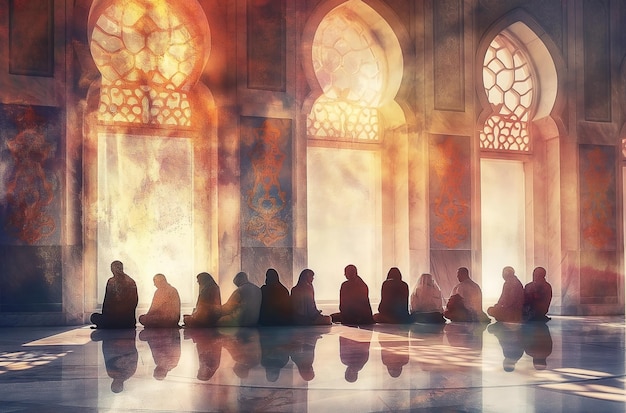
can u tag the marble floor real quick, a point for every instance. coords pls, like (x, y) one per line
(571, 364)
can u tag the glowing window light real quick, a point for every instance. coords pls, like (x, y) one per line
(350, 67)
(150, 55)
(25, 360)
(509, 86)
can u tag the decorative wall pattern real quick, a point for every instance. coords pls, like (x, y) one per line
(449, 188)
(266, 180)
(598, 197)
(29, 166)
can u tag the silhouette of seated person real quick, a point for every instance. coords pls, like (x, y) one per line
(120, 301)
(244, 346)
(354, 355)
(165, 308)
(537, 297)
(243, 306)
(510, 338)
(165, 347)
(275, 301)
(209, 304)
(511, 302)
(209, 343)
(537, 343)
(120, 355)
(302, 353)
(305, 311)
(426, 302)
(394, 299)
(275, 349)
(395, 355)
(354, 301)
(468, 305)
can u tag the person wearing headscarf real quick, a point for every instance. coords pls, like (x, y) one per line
(165, 308)
(426, 301)
(354, 302)
(275, 301)
(209, 305)
(305, 311)
(243, 306)
(394, 299)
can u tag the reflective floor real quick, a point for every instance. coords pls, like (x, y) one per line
(571, 364)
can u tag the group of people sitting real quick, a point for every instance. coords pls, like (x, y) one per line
(274, 304)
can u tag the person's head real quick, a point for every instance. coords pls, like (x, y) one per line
(394, 274)
(240, 279)
(159, 280)
(117, 268)
(539, 274)
(271, 276)
(204, 278)
(462, 274)
(425, 279)
(350, 271)
(508, 272)
(306, 276)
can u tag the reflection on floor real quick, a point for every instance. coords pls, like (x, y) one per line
(571, 364)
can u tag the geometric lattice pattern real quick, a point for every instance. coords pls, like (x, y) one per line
(335, 119)
(149, 54)
(350, 66)
(508, 81)
(144, 105)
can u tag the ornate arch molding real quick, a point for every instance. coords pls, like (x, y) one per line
(548, 62)
(394, 38)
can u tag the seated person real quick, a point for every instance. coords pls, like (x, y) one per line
(275, 301)
(394, 300)
(305, 310)
(354, 302)
(426, 302)
(209, 305)
(243, 306)
(468, 306)
(537, 297)
(511, 302)
(165, 308)
(120, 301)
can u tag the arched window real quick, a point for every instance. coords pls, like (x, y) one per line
(357, 67)
(144, 158)
(509, 83)
(510, 86)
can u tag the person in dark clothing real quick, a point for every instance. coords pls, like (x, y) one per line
(120, 301)
(537, 297)
(275, 301)
(209, 305)
(354, 302)
(305, 311)
(394, 300)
